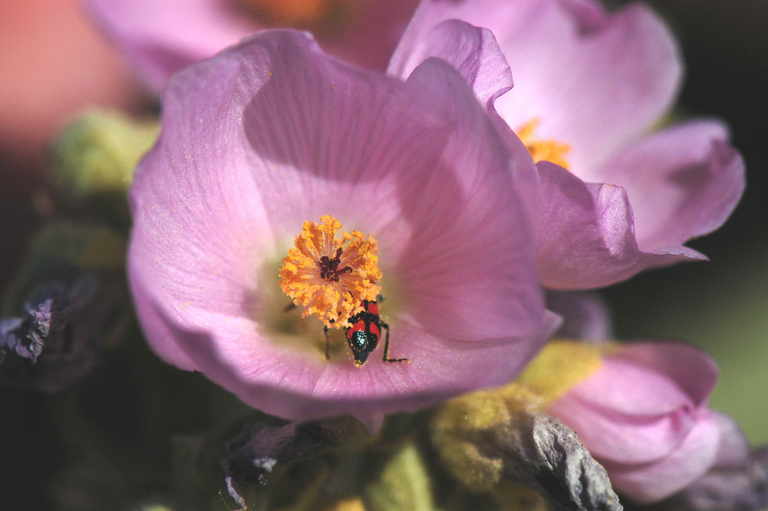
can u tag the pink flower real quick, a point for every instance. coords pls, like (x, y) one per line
(589, 86)
(643, 414)
(264, 140)
(160, 38)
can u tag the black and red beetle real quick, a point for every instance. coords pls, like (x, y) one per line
(363, 335)
(364, 332)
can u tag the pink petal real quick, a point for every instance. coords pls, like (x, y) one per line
(683, 182)
(641, 403)
(160, 38)
(686, 368)
(595, 80)
(733, 449)
(655, 481)
(472, 51)
(612, 436)
(272, 133)
(585, 232)
(585, 315)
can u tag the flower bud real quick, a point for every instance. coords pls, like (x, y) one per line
(95, 156)
(643, 414)
(403, 483)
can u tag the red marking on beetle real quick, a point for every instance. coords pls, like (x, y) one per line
(363, 335)
(371, 307)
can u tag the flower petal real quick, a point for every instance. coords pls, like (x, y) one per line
(656, 378)
(492, 256)
(585, 232)
(585, 315)
(655, 481)
(595, 80)
(623, 439)
(160, 38)
(473, 51)
(683, 182)
(641, 403)
(273, 132)
(733, 449)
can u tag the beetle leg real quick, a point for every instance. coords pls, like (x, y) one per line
(327, 348)
(386, 358)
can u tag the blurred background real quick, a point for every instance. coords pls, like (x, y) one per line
(53, 64)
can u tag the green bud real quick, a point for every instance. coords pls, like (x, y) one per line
(402, 484)
(460, 425)
(95, 157)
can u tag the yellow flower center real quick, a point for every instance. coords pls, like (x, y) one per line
(301, 13)
(542, 150)
(329, 273)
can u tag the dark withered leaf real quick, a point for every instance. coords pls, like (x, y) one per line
(59, 336)
(543, 453)
(252, 455)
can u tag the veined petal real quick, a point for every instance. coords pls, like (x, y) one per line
(683, 182)
(472, 51)
(273, 132)
(595, 80)
(160, 38)
(585, 232)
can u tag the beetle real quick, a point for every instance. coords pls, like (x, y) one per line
(364, 333)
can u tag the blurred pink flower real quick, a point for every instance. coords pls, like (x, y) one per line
(589, 86)
(272, 134)
(643, 414)
(160, 38)
(52, 66)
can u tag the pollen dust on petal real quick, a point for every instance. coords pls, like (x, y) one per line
(542, 150)
(329, 273)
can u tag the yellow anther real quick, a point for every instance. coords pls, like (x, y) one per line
(329, 274)
(542, 150)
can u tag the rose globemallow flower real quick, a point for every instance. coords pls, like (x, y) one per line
(608, 199)
(639, 408)
(287, 188)
(160, 38)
